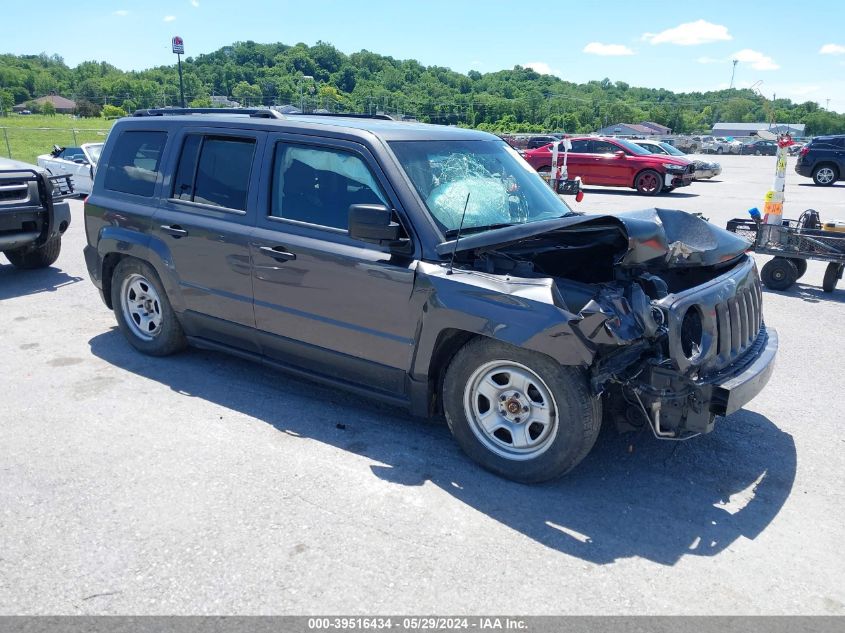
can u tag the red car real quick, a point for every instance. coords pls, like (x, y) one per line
(615, 162)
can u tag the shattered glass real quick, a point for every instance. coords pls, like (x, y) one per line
(487, 178)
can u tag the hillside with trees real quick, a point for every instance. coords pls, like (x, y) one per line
(517, 100)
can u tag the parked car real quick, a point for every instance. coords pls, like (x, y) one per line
(616, 162)
(539, 141)
(326, 245)
(718, 145)
(687, 144)
(79, 163)
(33, 214)
(703, 169)
(822, 159)
(760, 148)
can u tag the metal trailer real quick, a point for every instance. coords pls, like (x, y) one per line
(792, 243)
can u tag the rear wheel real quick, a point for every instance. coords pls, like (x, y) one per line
(519, 413)
(143, 310)
(832, 274)
(648, 183)
(779, 273)
(39, 257)
(825, 175)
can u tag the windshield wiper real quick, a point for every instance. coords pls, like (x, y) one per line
(478, 229)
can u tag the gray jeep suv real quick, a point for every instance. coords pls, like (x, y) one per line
(427, 266)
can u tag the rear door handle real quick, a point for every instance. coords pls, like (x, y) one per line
(174, 230)
(278, 253)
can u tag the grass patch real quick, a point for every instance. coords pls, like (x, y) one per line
(31, 135)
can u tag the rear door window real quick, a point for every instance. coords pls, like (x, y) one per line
(603, 147)
(134, 162)
(580, 147)
(215, 171)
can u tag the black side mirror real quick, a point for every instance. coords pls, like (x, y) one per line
(373, 223)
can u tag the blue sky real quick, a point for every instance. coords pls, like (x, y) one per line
(680, 46)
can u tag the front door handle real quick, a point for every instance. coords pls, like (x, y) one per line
(278, 253)
(174, 230)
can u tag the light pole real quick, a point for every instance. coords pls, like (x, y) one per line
(301, 97)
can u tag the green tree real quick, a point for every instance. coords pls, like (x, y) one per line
(48, 108)
(113, 112)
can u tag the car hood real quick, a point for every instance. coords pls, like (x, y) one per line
(654, 237)
(8, 164)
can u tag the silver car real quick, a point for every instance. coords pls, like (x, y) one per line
(79, 163)
(703, 169)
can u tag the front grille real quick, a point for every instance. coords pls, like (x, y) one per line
(738, 323)
(728, 320)
(13, 191)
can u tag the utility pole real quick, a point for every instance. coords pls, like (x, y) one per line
(179, 50)
(733, 71)
(827, 104)
(301, 97)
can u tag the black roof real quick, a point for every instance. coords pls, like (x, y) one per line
(386, 130)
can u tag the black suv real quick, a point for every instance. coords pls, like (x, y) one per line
(430, 267)
(822, 159)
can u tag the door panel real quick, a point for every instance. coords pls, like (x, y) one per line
(209, 243)
(323, 301)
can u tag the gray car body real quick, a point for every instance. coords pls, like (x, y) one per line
(375, 319)
(27, 219)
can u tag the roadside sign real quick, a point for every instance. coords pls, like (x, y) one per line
(178, 45)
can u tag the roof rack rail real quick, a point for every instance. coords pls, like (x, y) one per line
(260, 113)
(363, 115)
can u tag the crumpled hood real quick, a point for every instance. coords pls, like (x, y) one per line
(657, 237)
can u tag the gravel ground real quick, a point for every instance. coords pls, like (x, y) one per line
(203, 484)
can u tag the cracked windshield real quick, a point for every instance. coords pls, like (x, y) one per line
(488, 178)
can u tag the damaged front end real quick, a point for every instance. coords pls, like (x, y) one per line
(669, 306)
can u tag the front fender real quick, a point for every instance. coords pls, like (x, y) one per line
(522, 312)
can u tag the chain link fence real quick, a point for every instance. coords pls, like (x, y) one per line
(26, 143)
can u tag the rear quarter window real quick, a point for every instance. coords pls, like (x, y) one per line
(134, 163)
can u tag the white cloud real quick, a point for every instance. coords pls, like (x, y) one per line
(756, 59)
(690, 34)
(607, 50)
(169, 18)
(832, 49)
(541, 67)
(121, 12)
(195, 3)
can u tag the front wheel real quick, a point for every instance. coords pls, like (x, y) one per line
(518, 413)
(648, 183)
(38, 257)
(779, 273)
(143, 311)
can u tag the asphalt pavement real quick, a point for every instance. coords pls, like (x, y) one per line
(204, 484)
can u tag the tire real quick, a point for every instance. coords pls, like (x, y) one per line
(800, 266)
(648, 182)
(563, 417)
(39, 257)
(825, 175)
(832, 274)
(757, 152)
(143, 311)
(719, 150)
(779, 273)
